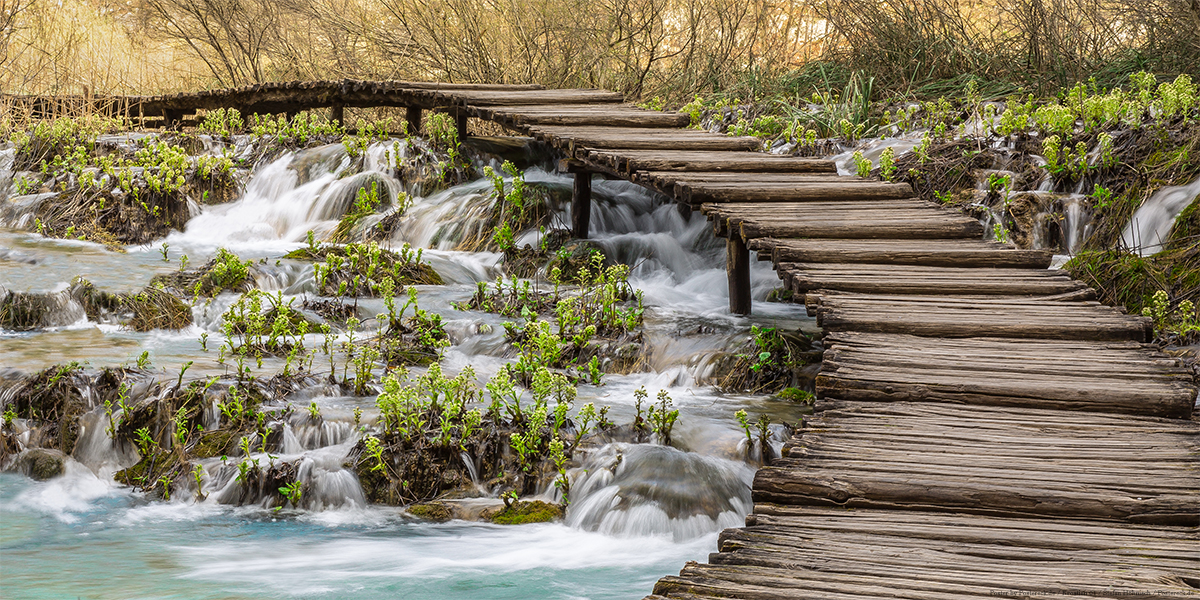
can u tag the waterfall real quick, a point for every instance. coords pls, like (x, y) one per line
(1151, 225)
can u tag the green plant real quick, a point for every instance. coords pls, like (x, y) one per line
(1000, 233)
(292, 492)
(144, 440)
(143, 360)
(744, 421)
(222, 121)
(1101, 197)
(374, 451)
(887, 163)
(862, 166)
(198, 475)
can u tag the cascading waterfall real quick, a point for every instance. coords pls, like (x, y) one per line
(641, 509)
(627, 489)
(1151, 224)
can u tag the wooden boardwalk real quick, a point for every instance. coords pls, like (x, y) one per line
(984, 427)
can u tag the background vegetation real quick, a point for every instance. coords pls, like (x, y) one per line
(673, 49)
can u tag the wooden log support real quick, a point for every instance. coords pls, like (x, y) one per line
(337, 112)
(460, 122)
(172, 119)
(737, 269)
(412, 117)
(581, 204)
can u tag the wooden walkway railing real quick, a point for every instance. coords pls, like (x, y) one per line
(984, 427)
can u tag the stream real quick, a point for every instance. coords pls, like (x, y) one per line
(83, 535)
(637, 512)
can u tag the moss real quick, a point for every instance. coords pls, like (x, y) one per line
(431, 511)
(523, 513)
(794, 394)
(781, 295)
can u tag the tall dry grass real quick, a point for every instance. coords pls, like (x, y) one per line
(644, 48)
(1038, 43)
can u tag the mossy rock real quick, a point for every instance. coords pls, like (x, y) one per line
(781, 295)
(40, 463)
(210, 279)
(431, 511)
(525, 512)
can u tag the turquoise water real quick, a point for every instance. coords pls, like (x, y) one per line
(78, 537)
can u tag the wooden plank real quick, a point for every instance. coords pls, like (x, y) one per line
(905, 279)
(513, 98)
(794, 192)
(999, 317)
(848, 227)
(948, 253)
(629, 161)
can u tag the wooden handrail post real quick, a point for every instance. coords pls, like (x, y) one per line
(460, 120)
(737, 268)
(581, 204)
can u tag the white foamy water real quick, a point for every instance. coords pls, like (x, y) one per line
(1151, 225)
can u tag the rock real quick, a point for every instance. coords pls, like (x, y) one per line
(431, 511)
(522, 513)
(40, 463)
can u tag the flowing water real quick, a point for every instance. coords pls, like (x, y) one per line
(1152, 223)
(638, 511)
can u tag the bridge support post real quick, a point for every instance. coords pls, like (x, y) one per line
(581, 204)
(413, 117)
(172, 118)
(737, 268)
(337, 112)
(461, 120)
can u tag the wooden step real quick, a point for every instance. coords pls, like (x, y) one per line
(908, 279)
(627, 162)
(514, 98)
(1085, 376)
(830, 220)
(573, 139)
(578, 115)
(835, 553)
(934, 253)
(857, 457)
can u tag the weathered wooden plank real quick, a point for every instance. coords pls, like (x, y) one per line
(928, 280)
(949, 253)
(629, 161)
(513, 98)
(930, 227)
(696, 193)
(980, 494)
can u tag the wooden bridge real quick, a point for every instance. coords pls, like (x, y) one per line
(984, 427)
